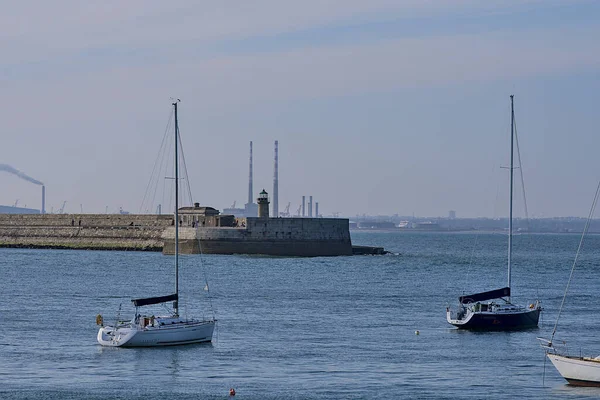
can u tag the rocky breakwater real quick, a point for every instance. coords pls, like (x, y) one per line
(84, 231)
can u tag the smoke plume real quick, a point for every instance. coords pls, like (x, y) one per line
(9, 169)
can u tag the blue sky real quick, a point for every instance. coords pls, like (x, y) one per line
(380, 107)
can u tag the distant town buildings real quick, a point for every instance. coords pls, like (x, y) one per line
(453, 224)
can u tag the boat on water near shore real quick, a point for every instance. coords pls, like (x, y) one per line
(475, 311)
(578, 371)
(149, 330)
(500, 314)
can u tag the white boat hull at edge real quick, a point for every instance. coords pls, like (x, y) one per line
(168, 335)
(577, 371)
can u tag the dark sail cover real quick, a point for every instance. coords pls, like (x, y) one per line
(492, 294)
(154, 300)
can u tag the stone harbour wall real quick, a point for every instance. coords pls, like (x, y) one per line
(84, 231)
(86, 220)
(302, 237)
(269, 236)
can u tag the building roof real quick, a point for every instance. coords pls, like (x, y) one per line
(199, 210)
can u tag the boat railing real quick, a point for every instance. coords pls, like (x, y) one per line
(553, 347)
(458, 315)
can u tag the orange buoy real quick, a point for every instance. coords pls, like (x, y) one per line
(232, 392)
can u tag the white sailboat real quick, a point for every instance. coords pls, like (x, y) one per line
(476, 311)
(577, 370)
(148, 330)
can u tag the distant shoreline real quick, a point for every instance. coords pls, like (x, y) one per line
(487, 231)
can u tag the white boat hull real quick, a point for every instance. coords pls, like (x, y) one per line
(577, 371)
(185, 332)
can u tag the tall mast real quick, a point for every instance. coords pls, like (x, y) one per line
(510, 217)
(175, 303)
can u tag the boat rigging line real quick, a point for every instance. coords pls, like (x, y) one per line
(521, 172)
(161, 173)
(185, 171)
(585, 229)
(160, 157)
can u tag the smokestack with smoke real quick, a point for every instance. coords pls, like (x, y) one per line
(14, 171)
(43, 210)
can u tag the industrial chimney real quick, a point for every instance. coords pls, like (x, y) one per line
(43, 210)
(251, 209)
(303, 201)
(309, 206)
(276, 183)
(250, 178)
(316, 209)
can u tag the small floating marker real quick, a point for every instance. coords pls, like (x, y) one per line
(417, 333)
(232, 392)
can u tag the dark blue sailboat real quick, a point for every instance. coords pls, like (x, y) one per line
(493, 310)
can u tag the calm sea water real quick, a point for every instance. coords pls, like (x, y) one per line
(295, 328)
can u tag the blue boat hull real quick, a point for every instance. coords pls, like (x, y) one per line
(490, 321)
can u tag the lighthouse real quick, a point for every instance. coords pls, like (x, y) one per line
(263, 204)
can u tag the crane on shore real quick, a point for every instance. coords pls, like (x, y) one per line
(286, 212)
(62, 208)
